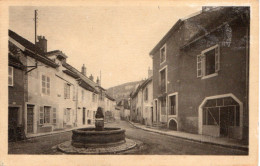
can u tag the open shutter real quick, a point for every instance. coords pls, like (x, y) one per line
(217, 54)
(199, 65)
(41, 115)
(65, 90)
(54, 115)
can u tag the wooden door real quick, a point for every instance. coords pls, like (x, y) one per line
(30, 118)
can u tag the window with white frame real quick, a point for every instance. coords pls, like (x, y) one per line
(10, 76)
(45, 115)
(66, 90)
(208, 61)
(45, 85)
(163, 54)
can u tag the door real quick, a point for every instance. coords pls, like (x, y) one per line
(224, 118)
(156, 111)
(30, 118)
(12, 122)
(84, 116)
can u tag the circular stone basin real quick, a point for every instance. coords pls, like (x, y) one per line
(89, 137)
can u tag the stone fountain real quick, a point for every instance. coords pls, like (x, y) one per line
(98, 140)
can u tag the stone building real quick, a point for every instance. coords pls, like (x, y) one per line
(200, 73)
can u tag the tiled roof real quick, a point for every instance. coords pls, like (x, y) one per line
(31, 48)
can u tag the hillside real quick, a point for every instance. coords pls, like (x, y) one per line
(122, 91)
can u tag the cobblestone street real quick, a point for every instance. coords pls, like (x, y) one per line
(147, 143)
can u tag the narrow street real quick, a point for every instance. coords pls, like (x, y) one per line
(153, 143)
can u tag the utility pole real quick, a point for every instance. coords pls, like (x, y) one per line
(35, 41)
(35, 26)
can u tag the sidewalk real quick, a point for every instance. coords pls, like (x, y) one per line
(225, 142)
(28, 136)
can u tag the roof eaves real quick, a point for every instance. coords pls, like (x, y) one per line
(166, 36)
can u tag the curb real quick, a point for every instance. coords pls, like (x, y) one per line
(243, 148)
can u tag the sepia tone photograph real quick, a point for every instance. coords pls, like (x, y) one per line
(129, 80)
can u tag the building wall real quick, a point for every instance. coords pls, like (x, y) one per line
(35, 95)
(147, 105)
(16, 93)
(182, 74)
(231, 78)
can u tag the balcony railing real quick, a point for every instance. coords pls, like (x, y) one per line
(162, 88)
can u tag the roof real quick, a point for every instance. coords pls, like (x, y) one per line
(84, 78)
(109, 97)
(31, 49)
(14, 61)
(56, 52)
(141, 86)
(168, 34)
(201, 23)
(209, 24)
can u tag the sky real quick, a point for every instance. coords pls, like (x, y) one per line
(115, 40)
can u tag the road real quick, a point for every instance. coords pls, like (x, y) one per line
(152, 143)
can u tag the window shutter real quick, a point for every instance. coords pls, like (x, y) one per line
(217, 54)
(41, 115)
(65, 90)
(54, 116)
(199, 65)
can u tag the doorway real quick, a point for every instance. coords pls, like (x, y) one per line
(84, 116)
(30, 118)
(12, 122)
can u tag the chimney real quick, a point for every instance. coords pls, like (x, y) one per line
(98, 82)
(150, 72)
(83, 70)
(42, 43)
(91, 77)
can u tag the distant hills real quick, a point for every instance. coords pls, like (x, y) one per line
(122, 91)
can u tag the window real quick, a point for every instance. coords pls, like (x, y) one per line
(45, 85)
(146, 94)
(10, 76)
(221, 111)
(68, 115)
(94, 114)
(93, 97)
(163, 54)
(66, 90)
(163, 106)
(172, 105)
(208, 62)
(74, 93)
(82, 94)
(88, 114)
(54, 116)
(163, 80)
(45, 115)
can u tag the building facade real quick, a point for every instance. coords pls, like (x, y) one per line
(200, 74)
(46, 93)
